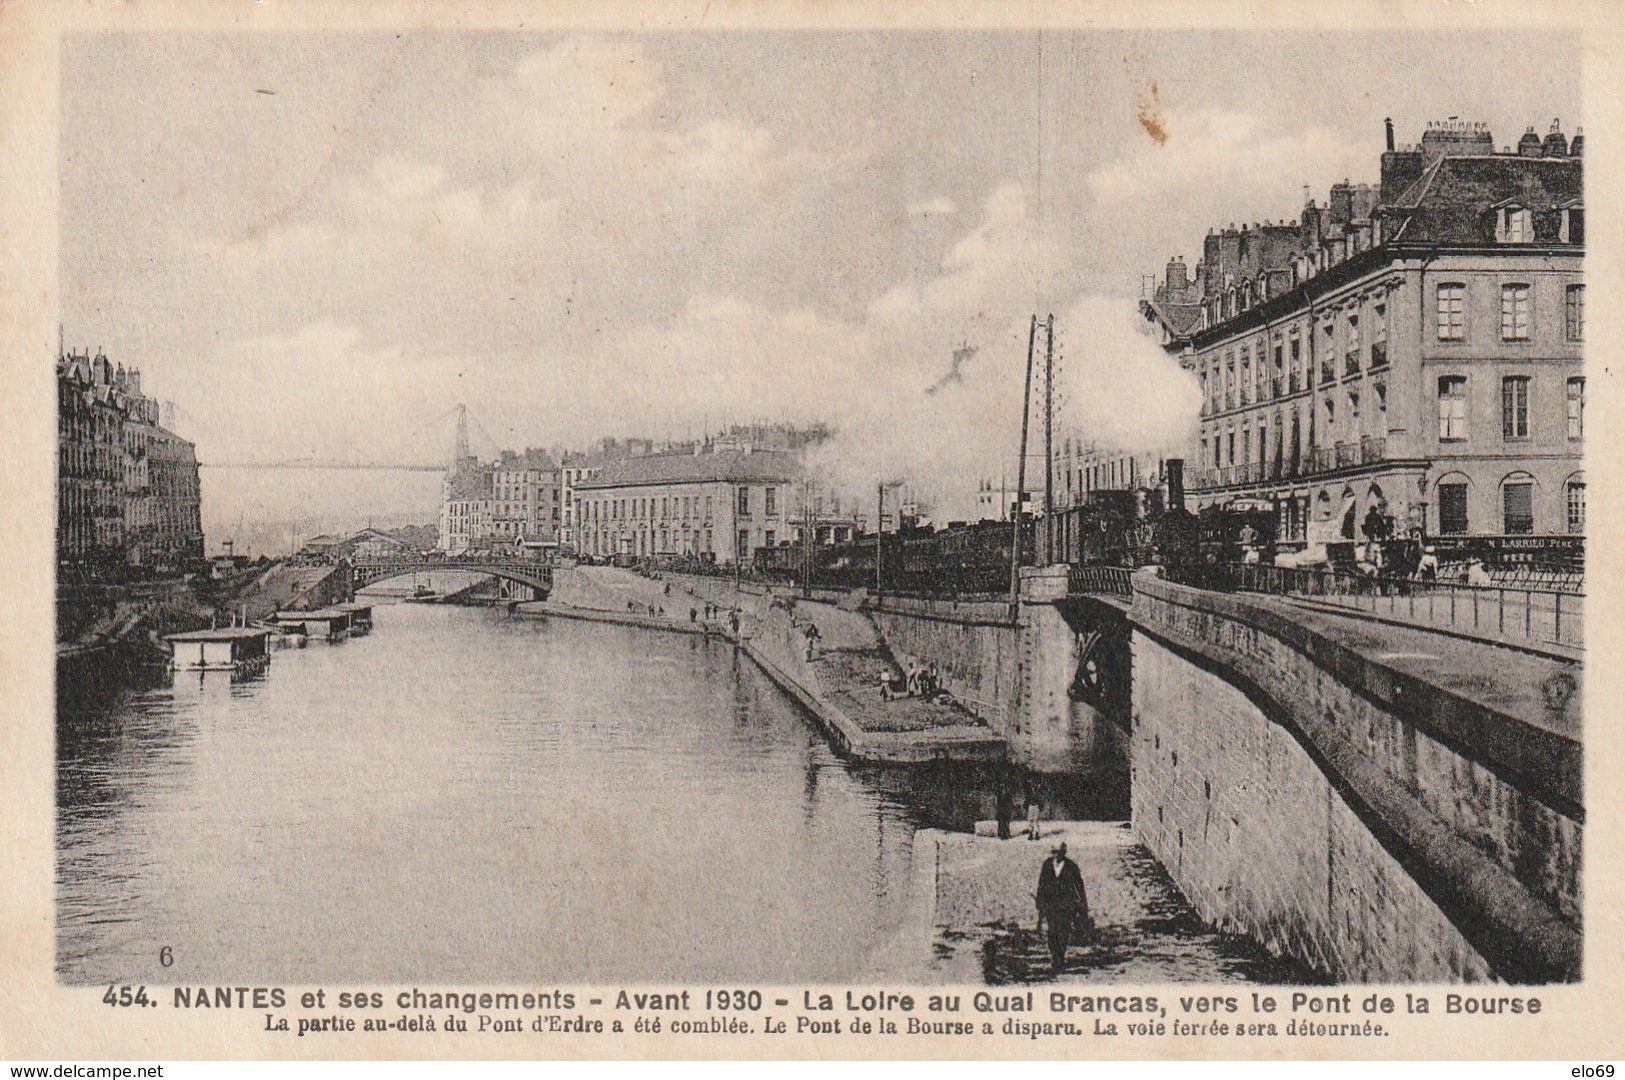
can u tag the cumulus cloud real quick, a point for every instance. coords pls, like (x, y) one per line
(1213, 167)
(613, 202)
(1209, 148)
(876, 377)
(321, 391)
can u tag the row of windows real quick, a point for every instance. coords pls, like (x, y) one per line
(686, 542)
(1225, 445)
(678, 506)
(1514, 407)
(1517, 311)
(1262, 371)
(1517, 506)
(1116, 474)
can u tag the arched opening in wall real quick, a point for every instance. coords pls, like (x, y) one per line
(1518, 504)
(1376, 524)
(1323, 506)
(1350, 507)
(1574, 504)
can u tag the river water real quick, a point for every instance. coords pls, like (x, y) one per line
(467, 797)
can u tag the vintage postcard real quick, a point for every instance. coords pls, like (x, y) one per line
(688, 530)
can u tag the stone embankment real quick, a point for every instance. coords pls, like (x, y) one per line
(1322, 783)
(835, 677)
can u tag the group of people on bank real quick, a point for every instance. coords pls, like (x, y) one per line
(918, 680)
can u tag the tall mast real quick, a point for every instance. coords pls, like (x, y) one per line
(1021, 466)
(1049, 440)
(880, 527)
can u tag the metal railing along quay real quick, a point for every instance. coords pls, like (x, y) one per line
(1488, 612)
(1111, 580)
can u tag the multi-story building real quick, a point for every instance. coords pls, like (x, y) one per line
(574, 470)
(1083, 467)
(994, 498)
(1413, 346)
(525, 498)
(467, 507)
(718, 506)
(127, 486)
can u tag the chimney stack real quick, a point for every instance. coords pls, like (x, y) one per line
(1175, 274)
(1388, 122)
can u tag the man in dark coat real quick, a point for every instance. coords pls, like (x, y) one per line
(1063, 906)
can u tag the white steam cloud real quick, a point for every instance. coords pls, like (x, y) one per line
(1115, 386)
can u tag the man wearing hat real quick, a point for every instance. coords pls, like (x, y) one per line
(1062, 903)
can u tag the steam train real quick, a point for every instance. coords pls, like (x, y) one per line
(1111, 528)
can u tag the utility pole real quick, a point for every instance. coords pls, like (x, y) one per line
(807, 542)
(880, 528)
(1021, 467)
(1049, 440)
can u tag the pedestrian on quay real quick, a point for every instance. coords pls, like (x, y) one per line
(1032, 818)
(1063, 905)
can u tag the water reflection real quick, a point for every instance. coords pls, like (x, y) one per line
(461, 795)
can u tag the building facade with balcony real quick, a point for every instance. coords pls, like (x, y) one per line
(127, 486)
(1413, 347)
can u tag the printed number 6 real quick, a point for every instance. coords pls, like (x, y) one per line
(166, 956)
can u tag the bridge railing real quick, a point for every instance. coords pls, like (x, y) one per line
(1486, 612)
(1111, 580)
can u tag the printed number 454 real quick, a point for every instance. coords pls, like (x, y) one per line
(126, 995)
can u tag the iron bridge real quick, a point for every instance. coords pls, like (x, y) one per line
(538, 576)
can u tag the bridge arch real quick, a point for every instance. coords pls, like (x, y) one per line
(536, 577)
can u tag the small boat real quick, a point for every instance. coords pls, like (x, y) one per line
(289, 638)
(360, 617)
(323, 624)
(230, 648)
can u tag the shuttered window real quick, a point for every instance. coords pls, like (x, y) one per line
(1452, 509)
(1518, 507)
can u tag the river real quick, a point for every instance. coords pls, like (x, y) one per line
(462, 796)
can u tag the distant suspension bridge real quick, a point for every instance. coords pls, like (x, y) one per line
(459, 451)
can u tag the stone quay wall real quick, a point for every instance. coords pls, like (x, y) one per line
(1330, 808)
(977, 657)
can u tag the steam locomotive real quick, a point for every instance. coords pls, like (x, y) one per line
(1111, 528)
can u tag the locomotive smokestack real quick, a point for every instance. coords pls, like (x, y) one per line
(1175, 468)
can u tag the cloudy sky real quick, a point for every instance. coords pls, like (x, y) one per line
(316, 244)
